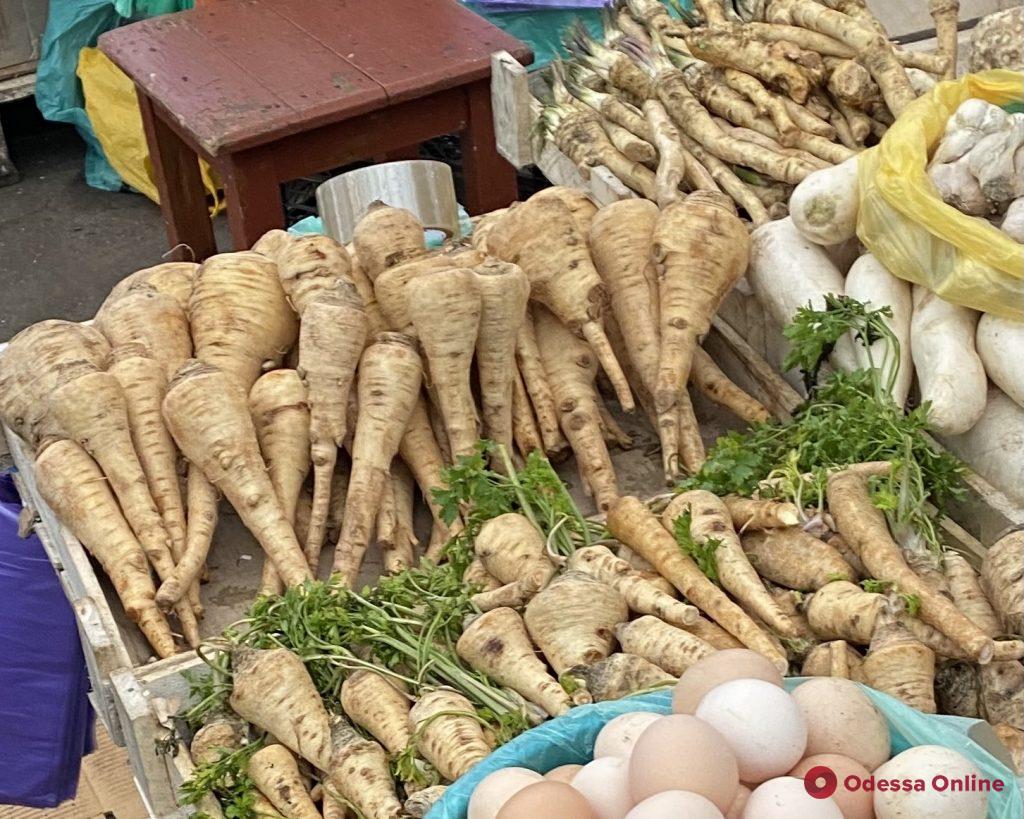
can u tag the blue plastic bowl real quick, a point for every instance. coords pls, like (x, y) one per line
(569, 740)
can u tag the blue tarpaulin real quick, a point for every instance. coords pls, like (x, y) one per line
(45, 717)
(569, 739)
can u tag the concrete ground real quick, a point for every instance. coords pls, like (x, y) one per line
(64, 244)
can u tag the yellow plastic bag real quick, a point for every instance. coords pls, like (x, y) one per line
(113, 109)
(906, 225)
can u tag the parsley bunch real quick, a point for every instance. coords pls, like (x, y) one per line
(405, 627)
(227, 779)
(481, 493)
(849, 418)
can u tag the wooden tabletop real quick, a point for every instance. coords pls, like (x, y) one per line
(239, 73)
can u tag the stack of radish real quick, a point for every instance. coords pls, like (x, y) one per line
(738, 746)
(965, 363)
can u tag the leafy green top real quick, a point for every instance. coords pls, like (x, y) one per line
(703, 554)
(228, 780)
(480, 493)
(849, 418)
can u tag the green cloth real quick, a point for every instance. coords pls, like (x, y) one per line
(541, 30)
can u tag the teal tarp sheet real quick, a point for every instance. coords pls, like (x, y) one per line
(71, 26)
(540, 30)
(570, 740)
(434, 238)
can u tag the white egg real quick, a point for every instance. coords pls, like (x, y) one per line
(674, 805)
(618, 737)
(495, 789)
(605, 784)
(933, 765)
(787, 798)
(761, 723)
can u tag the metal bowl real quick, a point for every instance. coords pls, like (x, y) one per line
(422, 186)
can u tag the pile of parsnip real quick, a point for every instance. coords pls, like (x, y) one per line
(245, 374)
(748, 98)
(559, 630)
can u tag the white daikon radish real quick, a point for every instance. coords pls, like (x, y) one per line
(824, 205)
(869, 282)
(994, 446)
(1001, 348)
(949, 371)
(787, 272)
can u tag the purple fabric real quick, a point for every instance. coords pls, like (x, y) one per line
(45, 716)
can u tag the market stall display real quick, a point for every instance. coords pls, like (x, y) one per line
(386, 647)
(728, 542)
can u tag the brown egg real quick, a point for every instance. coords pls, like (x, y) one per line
(682, 753)
(717, 668)
(547, 800)
(841, 719)
(855, 804)
(563, 773)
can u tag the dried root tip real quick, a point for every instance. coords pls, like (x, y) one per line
(620, 675)
(419, 804)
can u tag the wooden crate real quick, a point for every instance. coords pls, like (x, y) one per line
(515, 111)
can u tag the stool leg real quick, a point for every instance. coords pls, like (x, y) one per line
(182, 195)
(490, 180)
(253, 195)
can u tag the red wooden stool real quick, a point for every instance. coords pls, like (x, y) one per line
(272, 90)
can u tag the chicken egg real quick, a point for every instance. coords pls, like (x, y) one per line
(547, 800)
(717, 668)
(855, 804)
(618, 737)
(933, 764)
(605, 784)
(682, 753)
(785, 798)
(495, 789)
(563, 773)
(842, 720)
(761, 723)
(674, 805)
